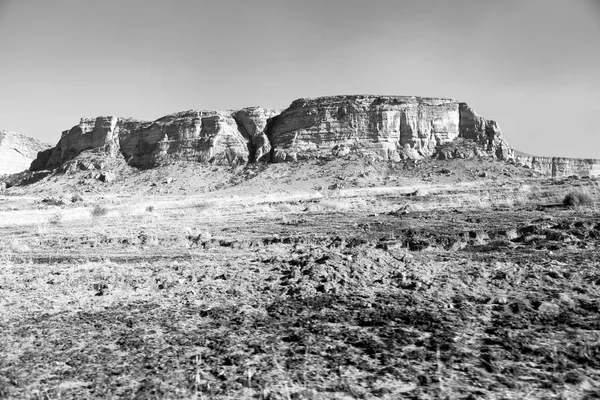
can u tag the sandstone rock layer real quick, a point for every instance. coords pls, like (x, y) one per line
(560, 166)
(211, 137)
(391, 127)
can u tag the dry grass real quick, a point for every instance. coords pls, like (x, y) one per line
(578, 198)
(99, 211)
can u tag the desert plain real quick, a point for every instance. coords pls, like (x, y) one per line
(328, 279)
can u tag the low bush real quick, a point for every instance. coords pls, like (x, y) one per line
(577, 199)
(53, 201)
(99, 211)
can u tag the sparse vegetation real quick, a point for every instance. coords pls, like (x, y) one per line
(204, 205)
(99, 211)
(52, 201)
(578, 198)
(365, 294)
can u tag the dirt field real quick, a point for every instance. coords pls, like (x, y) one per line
(326, 281)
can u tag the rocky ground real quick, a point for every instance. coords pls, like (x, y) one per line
(327, 280)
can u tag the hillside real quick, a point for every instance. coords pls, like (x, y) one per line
(17, 151)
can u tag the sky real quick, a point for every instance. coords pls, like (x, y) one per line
(531, 65)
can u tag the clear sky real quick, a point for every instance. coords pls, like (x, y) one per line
(532, 65)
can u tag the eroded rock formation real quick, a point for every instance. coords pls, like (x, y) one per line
(384, 127)
(253, 123)
(17, 151)
(391, 127)
(212, 137)
(560, 166)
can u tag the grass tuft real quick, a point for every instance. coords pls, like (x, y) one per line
(578, 198)
(52, 201)
(99, 211)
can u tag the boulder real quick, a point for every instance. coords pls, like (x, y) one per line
(107, 177)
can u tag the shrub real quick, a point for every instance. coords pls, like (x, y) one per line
(53, 201)
(203, 206)
(150, 209)
(577, 199)
(99, 211)
(76, 198)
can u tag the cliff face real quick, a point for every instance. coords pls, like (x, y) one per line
(392, 127)
(17, 151)
(253, 122)
(215, 137)
(385, 127)
(559, 166)
(484, 132)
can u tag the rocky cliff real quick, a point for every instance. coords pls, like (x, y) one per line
(391, 127)
(560, 166)
(17, 151)
(383, 127)
(212, 137)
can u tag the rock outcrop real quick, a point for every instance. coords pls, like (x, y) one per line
(17, 151)
(253, 122)
(560, 166)
(390, 127)
(212, 137)
(380, 127)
